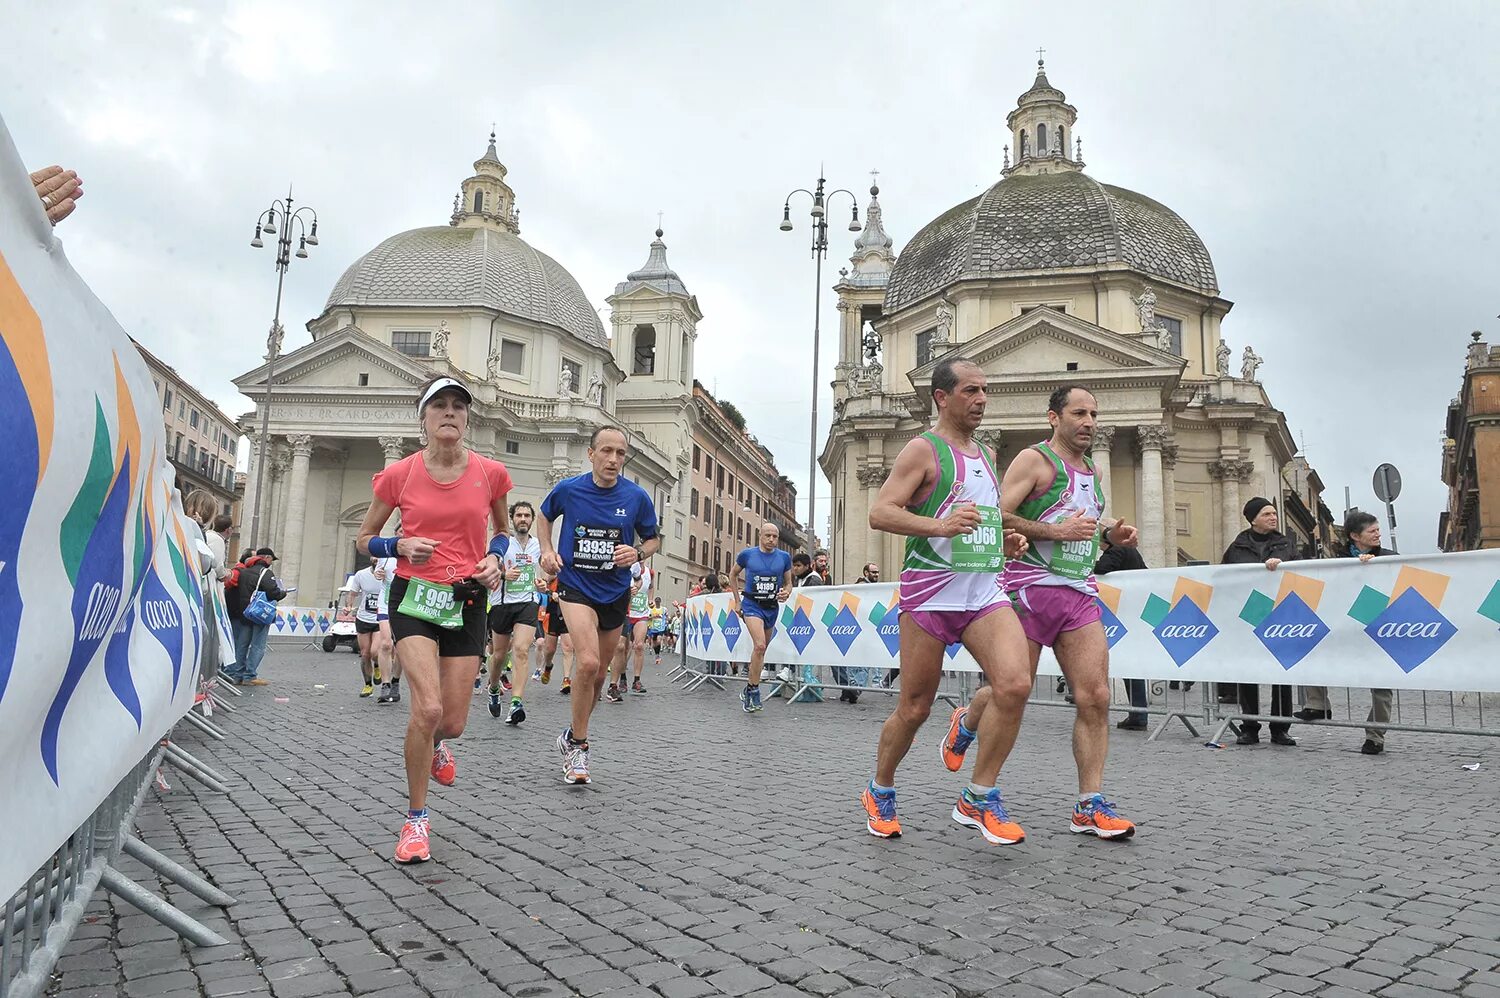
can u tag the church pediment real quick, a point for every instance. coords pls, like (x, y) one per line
(1043, 342)
(336, 359)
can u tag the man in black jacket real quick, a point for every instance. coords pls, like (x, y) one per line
(1263, 544)
(1362, 531)
(1117, 558)
(240, 585)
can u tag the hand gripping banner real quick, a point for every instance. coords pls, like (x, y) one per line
(101, 616)
(1427, 622)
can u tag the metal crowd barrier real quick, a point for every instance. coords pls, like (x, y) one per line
(1194, 705)
(41, 917)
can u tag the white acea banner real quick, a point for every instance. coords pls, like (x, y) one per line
(1419, 622)
(101, 616)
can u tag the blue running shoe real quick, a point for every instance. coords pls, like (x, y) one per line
(746, 704)
(755, 699)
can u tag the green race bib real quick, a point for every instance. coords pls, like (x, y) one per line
(640, 603)
(983, 550)
(1075, 559)
(524, 584)
(433, 603)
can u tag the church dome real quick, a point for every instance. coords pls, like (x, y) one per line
(1050, 222)
(482, 266)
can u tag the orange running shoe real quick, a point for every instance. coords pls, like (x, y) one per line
(988, 815)
(880, 813)
(412, 846)
(444, 766)
(956, 741)
(1097, 816)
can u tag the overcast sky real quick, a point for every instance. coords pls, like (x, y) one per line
(1336, 158)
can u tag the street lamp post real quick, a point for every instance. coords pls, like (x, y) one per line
(820, 200)
(277, 220)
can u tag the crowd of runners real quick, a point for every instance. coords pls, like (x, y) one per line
(1002, 564)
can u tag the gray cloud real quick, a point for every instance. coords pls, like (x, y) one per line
(1333, 157)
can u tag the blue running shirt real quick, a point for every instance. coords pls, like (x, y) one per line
(594, 521)
(763, 572)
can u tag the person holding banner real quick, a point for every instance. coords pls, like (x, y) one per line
(605, 513)
(1362, 530)
(447, 495)
(944, 495)
(1051, 496)
(1263, 543)
(767, 581)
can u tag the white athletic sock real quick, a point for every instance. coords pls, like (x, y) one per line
(979, 791)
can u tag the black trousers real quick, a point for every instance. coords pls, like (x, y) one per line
(1281, 703)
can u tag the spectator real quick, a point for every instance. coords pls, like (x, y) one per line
(1263, 543)
(1362, 531)
(857, 675)
(240, 585)
(1117, 558)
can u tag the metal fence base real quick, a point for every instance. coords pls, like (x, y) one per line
(225, 685)
(204, 725)
(175, 872)
(220, 703)
(197, 775)
(133, 893)
(176, 752)
(1430, 729)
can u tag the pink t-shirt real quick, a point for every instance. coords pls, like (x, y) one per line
(456, 513)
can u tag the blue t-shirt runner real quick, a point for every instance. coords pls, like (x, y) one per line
(595, 521)
(765, 572)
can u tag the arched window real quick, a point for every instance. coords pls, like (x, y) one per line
(644, 355)
(1023, 145)
(1041, 140)
(478, 202)
(1062, 140)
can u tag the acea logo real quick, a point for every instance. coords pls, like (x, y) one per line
(729, 626)
(798, 622)
(842, 622)
(887, 623)
(1182, 626)
(1109, 614)
(1407, 625)
(1288, 625)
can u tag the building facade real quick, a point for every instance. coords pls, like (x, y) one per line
(1471, 455)
(474, 300)
(735, 487)
(202, 442)
(1048, 278)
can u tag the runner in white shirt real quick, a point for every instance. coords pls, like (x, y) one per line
(387, 668)
(513, 612)
(367, 622)
(637, 620)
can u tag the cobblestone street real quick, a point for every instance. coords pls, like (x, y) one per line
(720, 853)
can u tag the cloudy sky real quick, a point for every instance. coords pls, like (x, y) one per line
(1337, 159)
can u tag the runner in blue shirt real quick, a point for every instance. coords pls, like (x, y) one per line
(609, 524)
(768, 579)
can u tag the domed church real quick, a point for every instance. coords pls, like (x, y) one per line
(1051, 277)
(472, 299)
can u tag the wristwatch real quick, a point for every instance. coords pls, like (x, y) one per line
(640, 555)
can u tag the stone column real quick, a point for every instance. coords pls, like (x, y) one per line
(274, 527)
(393, 447)
(1229, 472)
(1149, 442)
(247, 503)
(1169, 503)
(1104, 439)
(296, 507)
(861, 545)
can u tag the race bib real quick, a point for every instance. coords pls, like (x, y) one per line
(640, 603)
(525, 583)
(983, 549)
(433, 603)
(372, 603)
(594, 548)
(763, 587)
(1075, 559)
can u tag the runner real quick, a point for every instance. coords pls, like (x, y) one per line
(447, 495)
(767, 572)
(944, 495)
(386, 663)
(367, 624)
(1052, 498)
(656, 628)
(513, 619)
(556, 631)
(637, 621)
(603, 513)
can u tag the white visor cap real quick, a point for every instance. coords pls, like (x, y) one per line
(441, 384)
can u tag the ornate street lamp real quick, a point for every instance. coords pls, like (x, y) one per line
(279, 220)
(820, 200)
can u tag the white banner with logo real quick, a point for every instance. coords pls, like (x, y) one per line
(1419, 622)
(101, 618)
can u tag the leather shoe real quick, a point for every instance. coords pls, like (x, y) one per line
(1308, 714)
(1129, 725)
(1282, 738)
(1371, 748)
(1248, 738)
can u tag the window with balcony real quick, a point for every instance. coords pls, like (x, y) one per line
(192, 457)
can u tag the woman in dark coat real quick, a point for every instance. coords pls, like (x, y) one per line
(1263, 543)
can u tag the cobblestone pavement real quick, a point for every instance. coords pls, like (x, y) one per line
(720, 853)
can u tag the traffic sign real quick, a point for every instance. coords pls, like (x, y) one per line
(1387, 483)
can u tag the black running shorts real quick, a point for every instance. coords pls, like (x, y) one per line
(611, 615)
(452, 642)
(365, 627)
(506, 617)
